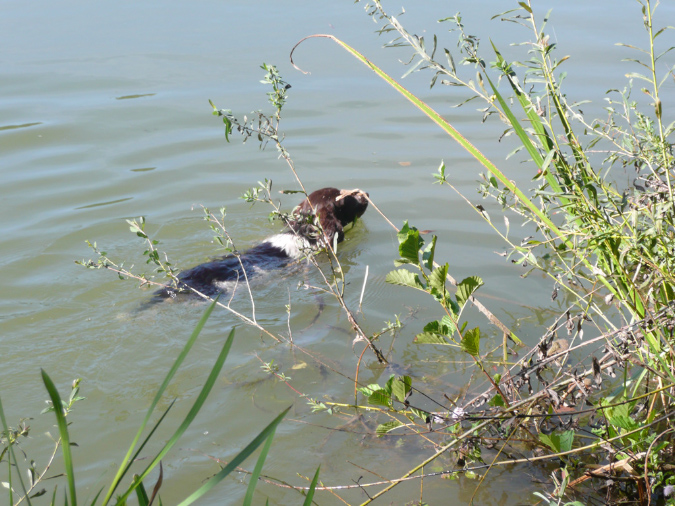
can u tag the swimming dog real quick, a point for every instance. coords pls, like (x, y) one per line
(334, 209)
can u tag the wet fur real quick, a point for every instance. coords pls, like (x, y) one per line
(335, 209)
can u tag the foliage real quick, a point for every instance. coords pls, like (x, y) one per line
(413, 253)
(593, 235)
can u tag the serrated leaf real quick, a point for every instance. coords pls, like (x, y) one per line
(625, 422)
(436, 332)
(437, 278)
(386, 427)
(430, 338)
(428, 254)
(419, 413)
(388, 384)
(471, 342)
(403, 233)
(404, 278)
(368, 390)
(401, 388)
(449, 325)
(445, 327)
(409, 247)
(380, 398)
(466, 288)
(403, 261)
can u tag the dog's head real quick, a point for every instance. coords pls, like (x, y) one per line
(335, 209)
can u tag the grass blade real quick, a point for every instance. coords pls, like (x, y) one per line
(124, 466)
(145, 441)
(141, 494)
(93, 502)
(63, 431)
(206, 389)
(312, 487)
(241, 456)
(248, 500)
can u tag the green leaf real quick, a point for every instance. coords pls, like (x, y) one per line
(558, 442)
(624, 422)
(436, 332)
(401, 388)
(437, 278)
(428, 254)
(368, 390)
(419, 413)
(497, 401)
(444, 328)
(525, 6)
(312, 488)
(386, 427)
(141, 494)
(448, 324)
(63, 432)
(471, 342)
(466, 288)
(430, 338)
(380, 398)
(404, 278)
(451, 61)
(547, 161)
(248, 499)
(228, 128)
(409, 245)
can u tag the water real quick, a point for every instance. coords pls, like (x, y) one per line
(104, 117)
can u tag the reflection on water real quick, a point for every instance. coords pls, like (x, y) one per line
(78, 156)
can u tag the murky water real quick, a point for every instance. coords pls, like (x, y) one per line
(104, 117)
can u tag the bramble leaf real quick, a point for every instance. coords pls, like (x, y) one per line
(404, 278)
(401, 388)
(383, 428)
(466, 288)
(471, 342)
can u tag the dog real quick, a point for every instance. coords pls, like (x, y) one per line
(334, 209)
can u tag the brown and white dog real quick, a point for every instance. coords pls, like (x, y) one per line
(334, 208)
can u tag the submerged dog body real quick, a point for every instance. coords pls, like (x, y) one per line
(334, 209)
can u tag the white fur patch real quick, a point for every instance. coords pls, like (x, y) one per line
(294, 246)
